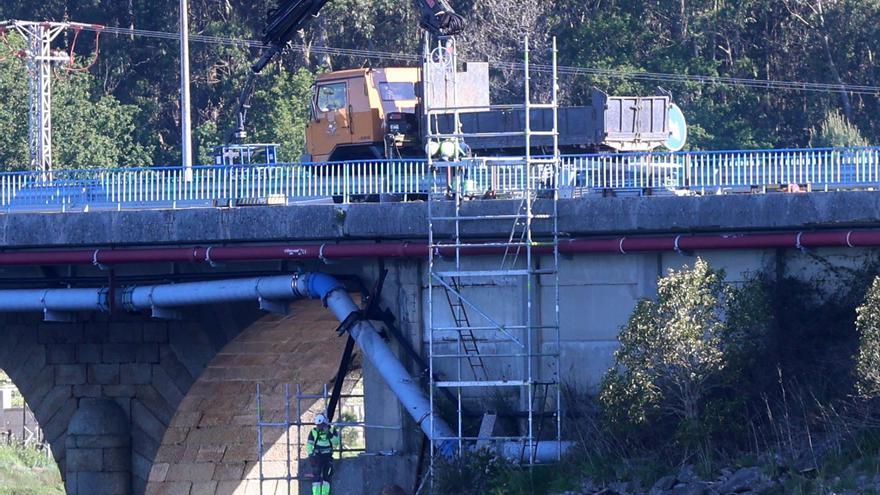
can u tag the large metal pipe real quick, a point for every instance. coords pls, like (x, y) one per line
(268, 289)
(406, 388)
(329, 251)
(53, 300)
(285, 288)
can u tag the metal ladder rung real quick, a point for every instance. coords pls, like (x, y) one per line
(481, 383)
(541, 216)
(544, 133)
(539, 106)
(477, 135)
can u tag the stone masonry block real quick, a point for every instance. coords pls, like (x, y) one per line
(193, 471)
(175, 369)
(166, 387)
(60, 333)
(85, 460)
(140, 466)
(80, 391)
(148, 353)
(227, 472)
(70, 374)
(146, 420)
(119, 353)
(102, 483)
(176, 488)
(103, 374)
(61, 354)
(99, 441)
(204, 488)
(135, 373)
(156, 332)
(88, 353)
(120, 390)
(159, 471)
(118, 459)
(125, 333)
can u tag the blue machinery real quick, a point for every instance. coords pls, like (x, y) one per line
(701, 172)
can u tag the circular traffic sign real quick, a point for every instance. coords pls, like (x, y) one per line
(678, 129)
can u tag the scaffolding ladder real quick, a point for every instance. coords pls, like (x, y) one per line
(481, 350)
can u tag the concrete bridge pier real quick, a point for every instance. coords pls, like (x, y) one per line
(98, 449)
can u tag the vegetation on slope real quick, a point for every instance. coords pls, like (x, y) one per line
(128, 101)
(26, 471)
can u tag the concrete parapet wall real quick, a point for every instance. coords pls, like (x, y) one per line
(585, 216)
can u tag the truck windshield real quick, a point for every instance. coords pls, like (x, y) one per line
(394, 91)
(331, 97)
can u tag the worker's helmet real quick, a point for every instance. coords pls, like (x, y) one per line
(320, 419)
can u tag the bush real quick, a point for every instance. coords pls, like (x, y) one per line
(679, 352)
(837, 131)
(868, 358)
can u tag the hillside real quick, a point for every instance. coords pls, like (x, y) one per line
(124, 108)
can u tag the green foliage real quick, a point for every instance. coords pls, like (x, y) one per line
(89, 129)
(671, 350)
(837, 131)
(27, 471)
(684, 356)
(126, 109)
(485, 473)
(868, 359)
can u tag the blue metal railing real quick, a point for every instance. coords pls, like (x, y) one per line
(698, 172)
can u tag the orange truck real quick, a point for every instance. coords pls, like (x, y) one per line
(378, 113)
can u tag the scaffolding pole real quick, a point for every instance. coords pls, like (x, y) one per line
(458, 360)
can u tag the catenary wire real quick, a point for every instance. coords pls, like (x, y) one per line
(768, 84)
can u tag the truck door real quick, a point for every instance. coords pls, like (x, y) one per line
(331, 119)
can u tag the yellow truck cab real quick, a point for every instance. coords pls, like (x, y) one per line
(356, 112)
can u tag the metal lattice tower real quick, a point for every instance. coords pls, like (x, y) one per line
(39, 58)
(476, 347)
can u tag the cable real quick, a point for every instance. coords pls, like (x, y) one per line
(567, 70)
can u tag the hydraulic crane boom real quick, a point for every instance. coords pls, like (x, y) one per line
(435, 16)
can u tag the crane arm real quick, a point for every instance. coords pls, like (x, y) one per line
(435, 16)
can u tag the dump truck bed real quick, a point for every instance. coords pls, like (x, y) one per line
(625, 123)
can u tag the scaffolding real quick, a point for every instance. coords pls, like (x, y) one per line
(286, 416)
(493, 334)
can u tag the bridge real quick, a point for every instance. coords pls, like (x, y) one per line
(138, 397)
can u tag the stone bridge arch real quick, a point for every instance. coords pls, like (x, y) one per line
(143, 366)
(210, 446)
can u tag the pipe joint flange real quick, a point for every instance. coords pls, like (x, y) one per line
(322, 257)
(798, 245)
(208, 260)
(97, 263)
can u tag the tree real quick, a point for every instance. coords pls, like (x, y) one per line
(89, 129)
(837, 131)
(868, 357)
(676, 349)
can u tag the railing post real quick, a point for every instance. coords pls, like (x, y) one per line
(346, 181)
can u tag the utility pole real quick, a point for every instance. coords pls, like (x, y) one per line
(186, 116)
(39, 57)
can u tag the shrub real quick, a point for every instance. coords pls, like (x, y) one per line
(836, 130)
(671, 349)
(868, 358)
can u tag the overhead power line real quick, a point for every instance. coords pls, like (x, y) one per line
(768, 84)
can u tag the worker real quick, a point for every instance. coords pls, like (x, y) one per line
(322, 440)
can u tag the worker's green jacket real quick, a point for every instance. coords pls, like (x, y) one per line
(322, 441)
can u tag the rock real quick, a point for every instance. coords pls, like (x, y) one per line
(746, 479)
(663, 484)
(694, 488)
(686, 474)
